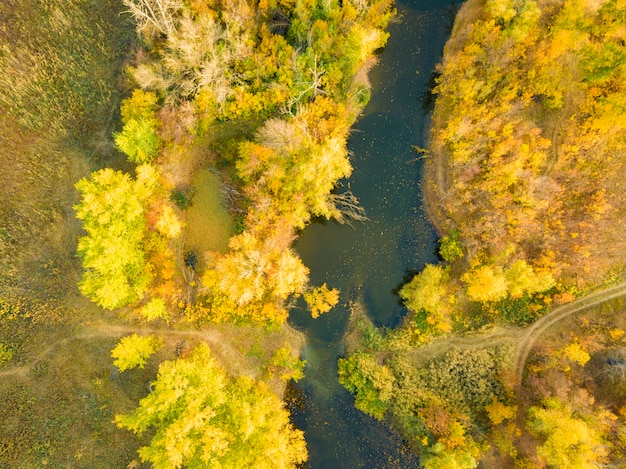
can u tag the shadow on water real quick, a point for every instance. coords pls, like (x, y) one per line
(371, 260)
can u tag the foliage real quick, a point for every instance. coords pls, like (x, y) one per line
(286, 365)
(523, 279)
(499, 412)
(251, 278)
(462, 454)
(567, 440)
(6, 354)
(112, 210)
(434, 424)
(321, 299)
(485, 283)
(468, 378)
(371, 383)
(576, 354)
(139, 139)
(490, 283)
(523, 131)
(450, 248)
(134, 350)
(202, 418)
(429, 294)
(154, 309)
(289, 70)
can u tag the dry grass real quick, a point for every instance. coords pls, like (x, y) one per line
(59, 107)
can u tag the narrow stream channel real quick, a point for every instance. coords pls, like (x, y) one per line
(369, 260)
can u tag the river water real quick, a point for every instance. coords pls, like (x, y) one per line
(370, 259)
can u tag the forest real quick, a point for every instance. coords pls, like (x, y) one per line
(159, 158)
(513, 342)
(180, 148)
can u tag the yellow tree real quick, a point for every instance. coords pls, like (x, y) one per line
(201, 418)
(485, 283)
(321, 299)
(567, 440)
(113, 212)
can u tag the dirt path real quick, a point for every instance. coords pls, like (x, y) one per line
(475, 340)
(535, 331)
(525, 338)
(223, 350)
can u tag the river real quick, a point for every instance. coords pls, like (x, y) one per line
(370, 259)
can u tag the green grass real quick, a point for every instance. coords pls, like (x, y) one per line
(209, 225)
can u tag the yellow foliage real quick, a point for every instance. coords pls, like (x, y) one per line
(498, 412)
(575, 353)
(485, 283)
(321, 299)
(168, 222)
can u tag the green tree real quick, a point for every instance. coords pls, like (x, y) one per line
(371, 383)
(134, 350)
(112, 210)
(567, 440)
(201, 418)
(139, 139)
(428, 292)
(450, 247)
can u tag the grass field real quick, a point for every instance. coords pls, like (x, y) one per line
(61, 70)
(209, 225)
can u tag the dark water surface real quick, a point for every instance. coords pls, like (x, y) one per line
(370, 259)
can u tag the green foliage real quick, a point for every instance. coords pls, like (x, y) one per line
(371, 383)
(567, 439)
(428, 295)
(450, 248)
(286, 365)
(154, 309)
(466, 377)
(201, 418)
(139, 139)
(112, 210)
(6, 354)
(181, 198)
(435, 425)
(520, 310)
(463, 455)
(134, 350)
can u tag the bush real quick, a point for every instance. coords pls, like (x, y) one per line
(372, 384)
(133, 351)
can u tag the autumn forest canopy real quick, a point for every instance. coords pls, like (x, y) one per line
(524, 182)
(178, 148)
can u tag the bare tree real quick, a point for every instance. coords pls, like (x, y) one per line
(158, 15)
(347, 207)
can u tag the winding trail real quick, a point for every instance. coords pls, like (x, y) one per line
(224, 351)
(537, 329)
(474, 340)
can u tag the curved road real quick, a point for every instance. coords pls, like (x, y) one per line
(558, 314)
